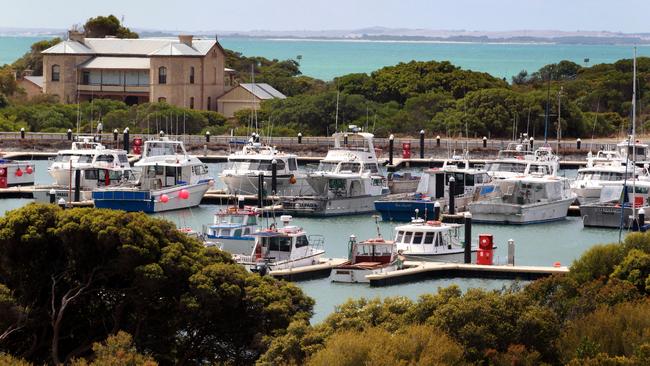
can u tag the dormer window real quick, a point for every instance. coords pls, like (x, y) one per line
(56, 72)
(192, 75)
(162, 75)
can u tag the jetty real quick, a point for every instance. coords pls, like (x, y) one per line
(417, 271)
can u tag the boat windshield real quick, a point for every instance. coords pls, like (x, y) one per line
(159, 148)
(522, 193)
(255, 164)
(327, 166)
(605, 176)
(350, 167)
(506, 167)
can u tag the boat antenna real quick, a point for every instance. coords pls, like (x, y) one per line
(548, 102)
(336, 119)
(593, 131)
(376, 217)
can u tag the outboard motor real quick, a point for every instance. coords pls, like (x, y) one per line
(261, 268)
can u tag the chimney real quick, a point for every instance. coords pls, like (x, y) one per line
(75, 35)
(185, 39)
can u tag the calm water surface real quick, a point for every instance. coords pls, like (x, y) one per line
(541, 244)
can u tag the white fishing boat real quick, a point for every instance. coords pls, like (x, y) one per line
(603, 168)
(632, 149)
(615, 207)
(282, 248)
(402, 183)
(245, 166)
(347, 181)
(234, 228)
(16, 173)
(525, 200)
(431, 241)
(372, 256)
(170, 179)
(517, 160)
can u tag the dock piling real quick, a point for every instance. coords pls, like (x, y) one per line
(578, 143)
(22, 132)
(438, 141)
(511, 252)
(274, 176)
(77, 185)
(299, 137)
(436, 211)
(468, 238)
(69, 133)
(421, 144)
(452, 190)
(52, 195)
(207, 136)
(391, 145)
(260, 190)
(126, 140)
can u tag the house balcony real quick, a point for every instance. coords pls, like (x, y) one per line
(108, 89)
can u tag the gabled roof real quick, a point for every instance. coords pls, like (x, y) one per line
(133, 47)
(119, 63)
(263, 91)
(36, 80)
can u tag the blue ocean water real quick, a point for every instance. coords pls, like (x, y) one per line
(327, 59)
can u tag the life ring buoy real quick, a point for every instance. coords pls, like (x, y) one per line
(433, 223)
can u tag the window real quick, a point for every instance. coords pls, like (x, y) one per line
(162, 100)
(407, 237)
(85, 78)
(162, 75)
(301, 241)
(90, 174)
(417, 237)
(400, 236)
(428, 239)
(191, 102)
(292, 164)
(192, 75)
(123, 158)
(209, 103)
(106, 158)
(56, 72)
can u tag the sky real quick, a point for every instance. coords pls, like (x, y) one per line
(628, 16)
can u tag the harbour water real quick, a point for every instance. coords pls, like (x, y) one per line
(542, 244)
(328, 59)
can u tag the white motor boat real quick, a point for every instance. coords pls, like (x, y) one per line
(372, 256)
(234, 228)
(245, 166)
(614, 208)
(603, 168)
(633, 150)
(170, 179)
(516, 160)
(16, 173)
(525, 200)
(431, 241)
(347, 181)
(282, 248)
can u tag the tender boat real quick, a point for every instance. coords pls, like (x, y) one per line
(603, 168)
(16, 173)
(234, 228)
(525, 200)
(244, 167)
(431, 241)
(402, 183)
(470, 184)
(282, 248)
(169, 179)
(614, 207)
(347, 181)
(517, 160)
(372, 256)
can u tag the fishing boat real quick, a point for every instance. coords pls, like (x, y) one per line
(372, 256)
(470, 184)
(615, 207)
(16, 173)
(169, 179)
(525, 200)
(402, 183)
(632, 149)
(431, 241)
(347, 181)
(234, 227)
(517, 160)
(282, 248)
(603, 168)
(245, 166)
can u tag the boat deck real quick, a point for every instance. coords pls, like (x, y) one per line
(417, 270)
(314, 271)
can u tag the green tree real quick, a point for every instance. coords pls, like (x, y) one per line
(8, 85)
(86, 273)
(102, 26)
(117, 350)
(33, 60)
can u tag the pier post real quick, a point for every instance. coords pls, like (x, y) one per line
(421, 144)
(299, 137)
(115, 136)
(438, 141)
(61, 202)
(22, 132)
(345, 139)
(52, 195)
(468, 238)
(436, 211)
(260, 190)
(391, 145)
(578, 143)
(126, 140)
(484, 142)
(240, 201)
(532, 142)
(274, 176)
(207, 136)
(452, 191)
(77, 184)
(69, 134)
(511, 252)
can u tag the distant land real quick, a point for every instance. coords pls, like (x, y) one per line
(391, 34)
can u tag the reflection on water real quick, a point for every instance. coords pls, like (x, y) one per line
(541, 244)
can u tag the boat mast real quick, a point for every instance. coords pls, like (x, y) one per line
(634, 137)
(336, 118)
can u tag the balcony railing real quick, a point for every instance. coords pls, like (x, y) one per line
(113, 88)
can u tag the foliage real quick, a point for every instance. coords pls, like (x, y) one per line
(102, 26)
(33, 60)
(87, 273)
(8, 85)
(117, 350)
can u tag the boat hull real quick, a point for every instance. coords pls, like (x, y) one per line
(10, 179)
(607, 216)
(317, 206)
(247, 184)
(42, 194)
(133, 200)
(352, 274)
(453, 257)
(587, 194)
(241, 246)
(404, 210)
(503, 213)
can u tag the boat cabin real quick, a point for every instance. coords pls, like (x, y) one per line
(613, 193)
(370, 252)
(163, 147)
(435, 182)
(283, 244)
(528, 191)
(423, 237)
(258, 157)
(627, 150)
(233, 223)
